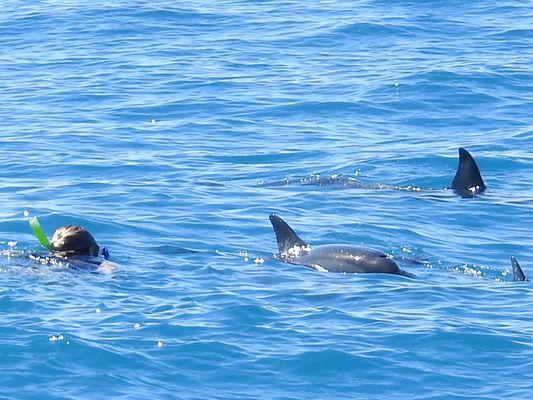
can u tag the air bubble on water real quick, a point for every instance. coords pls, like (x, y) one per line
(136, 325)
(153, 120)
(26, 213)
(97, 310)
(244, 255)
(11, 243)
(159, 343)
(467, 270)
(57, 338)
(259, 260)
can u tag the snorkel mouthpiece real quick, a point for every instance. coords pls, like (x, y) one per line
(38, 232)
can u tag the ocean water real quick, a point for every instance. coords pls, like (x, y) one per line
(172, 130)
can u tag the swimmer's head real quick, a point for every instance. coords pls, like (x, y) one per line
(72, 240)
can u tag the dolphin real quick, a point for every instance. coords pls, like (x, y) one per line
(331, 258)
(467, 181)
(518, 274)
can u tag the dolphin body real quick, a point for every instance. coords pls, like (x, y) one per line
(518, 274)
(331, 258)
(467, 181)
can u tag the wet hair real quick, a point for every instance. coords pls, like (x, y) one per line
(73, 240)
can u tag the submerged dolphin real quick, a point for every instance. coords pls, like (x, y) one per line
(467, 181)
(518, 274)
(332, 258)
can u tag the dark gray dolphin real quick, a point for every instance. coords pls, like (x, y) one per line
(518, 274)
(467, 181)
(332, 258)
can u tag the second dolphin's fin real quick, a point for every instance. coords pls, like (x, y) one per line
(467, 180)
(518, 274)
(286, 237)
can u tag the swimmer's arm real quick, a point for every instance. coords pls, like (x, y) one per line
(107, 267)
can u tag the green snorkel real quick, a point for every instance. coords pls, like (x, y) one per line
(38, 232)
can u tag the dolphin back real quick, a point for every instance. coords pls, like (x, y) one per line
(518, 274)
(285, 236)
(467, 179)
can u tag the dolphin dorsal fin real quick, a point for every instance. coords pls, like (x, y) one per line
(286, 237)
(518, 274)
(467, 179)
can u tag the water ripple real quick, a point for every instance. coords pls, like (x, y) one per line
(171, 131)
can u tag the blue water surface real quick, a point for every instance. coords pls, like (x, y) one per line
(171, 130)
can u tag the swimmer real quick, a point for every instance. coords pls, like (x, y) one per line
(76, 244)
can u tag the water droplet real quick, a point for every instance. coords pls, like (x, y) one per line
(26, 213)
(136, 325)
(159, 343)
(153, 120)
(98, 310)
